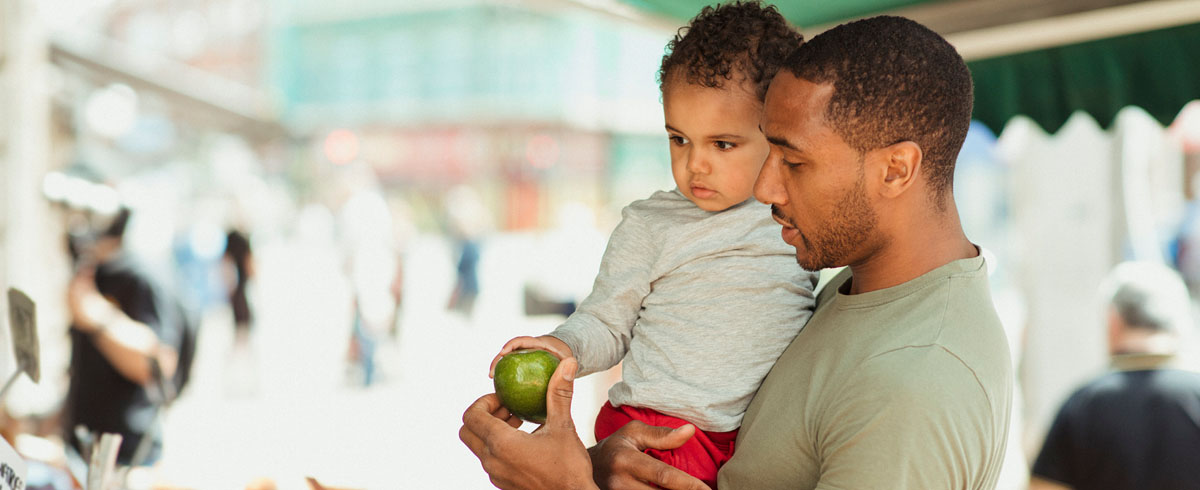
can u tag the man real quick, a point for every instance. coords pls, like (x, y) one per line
(1139, 426)
(125, 339)
(902, 377)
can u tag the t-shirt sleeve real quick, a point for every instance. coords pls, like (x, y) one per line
(1054, 462)
(914, 418)
(599, 331)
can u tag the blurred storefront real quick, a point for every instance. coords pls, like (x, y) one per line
(534, 104)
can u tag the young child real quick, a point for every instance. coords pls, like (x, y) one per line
(697, 292)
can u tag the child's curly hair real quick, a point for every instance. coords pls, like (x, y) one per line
(740, 38)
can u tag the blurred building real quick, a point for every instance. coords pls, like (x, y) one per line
(532, 103)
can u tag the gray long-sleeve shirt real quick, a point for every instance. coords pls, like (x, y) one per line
(698, 304)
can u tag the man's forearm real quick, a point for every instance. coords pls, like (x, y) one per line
(130, 346)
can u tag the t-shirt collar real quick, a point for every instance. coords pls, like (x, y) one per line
(1142, 362)
(969, 266)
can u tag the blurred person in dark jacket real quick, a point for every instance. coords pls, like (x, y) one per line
(1137, 427)
(239, 255)
(126, 335)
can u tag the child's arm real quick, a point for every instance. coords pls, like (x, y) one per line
(600, 330)
(547, 343)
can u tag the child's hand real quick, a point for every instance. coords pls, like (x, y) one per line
(545, 342)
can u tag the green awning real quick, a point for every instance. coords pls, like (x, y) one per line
(1158, 71)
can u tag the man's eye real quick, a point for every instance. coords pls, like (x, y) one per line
(791, 164)
(725, 145)
(678, 140)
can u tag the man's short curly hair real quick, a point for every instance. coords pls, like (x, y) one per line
(743, 38)
(894, 80)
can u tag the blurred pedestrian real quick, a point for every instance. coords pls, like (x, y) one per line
(239, 255)
(126, 338)
(468, 221)
(466, 276)
(1137, 427)
(370, 262)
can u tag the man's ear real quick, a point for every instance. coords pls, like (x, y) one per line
(901, 163)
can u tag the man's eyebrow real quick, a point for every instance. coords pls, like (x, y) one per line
(777, 141)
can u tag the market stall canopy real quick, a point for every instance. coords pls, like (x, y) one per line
(1158, 71)
(1045, 59)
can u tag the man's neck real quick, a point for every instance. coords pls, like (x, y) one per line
(1134, 341)
(912, 251)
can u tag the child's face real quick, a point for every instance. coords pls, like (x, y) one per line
(716, 146)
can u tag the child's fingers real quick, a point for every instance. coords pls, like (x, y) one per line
(519, 343)
(512, 345)
(492, 367)
(551, 348)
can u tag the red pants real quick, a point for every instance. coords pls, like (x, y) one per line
(701, 456)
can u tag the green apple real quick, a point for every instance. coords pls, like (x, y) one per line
(521, 380)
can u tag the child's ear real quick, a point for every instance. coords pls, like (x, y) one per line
(900, 165)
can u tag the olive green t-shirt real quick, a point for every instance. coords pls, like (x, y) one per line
(907, 387)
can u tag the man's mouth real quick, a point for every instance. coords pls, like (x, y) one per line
(779, 217)
(790, 232)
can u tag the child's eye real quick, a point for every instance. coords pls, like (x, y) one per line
(725, 145)
(678, 140)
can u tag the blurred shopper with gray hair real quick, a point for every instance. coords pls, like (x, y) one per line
(1137, 427)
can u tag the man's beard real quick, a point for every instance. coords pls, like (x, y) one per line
(848, 230)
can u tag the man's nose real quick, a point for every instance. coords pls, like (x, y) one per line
(768, 188)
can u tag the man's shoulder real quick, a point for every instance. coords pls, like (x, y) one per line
(925, 388)
(1182, 379)
(958, 320)
(915, 367)
(1150, 382)
(972, 332)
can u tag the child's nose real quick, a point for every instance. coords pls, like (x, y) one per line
(697, 163)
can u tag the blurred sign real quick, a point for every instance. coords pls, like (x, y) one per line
(12, 468)
(22, 319)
